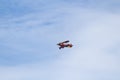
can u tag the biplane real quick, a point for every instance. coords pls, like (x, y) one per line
(65, 44)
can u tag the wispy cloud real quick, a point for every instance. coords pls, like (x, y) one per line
(28, 48)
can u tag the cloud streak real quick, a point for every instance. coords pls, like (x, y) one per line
(29, 51)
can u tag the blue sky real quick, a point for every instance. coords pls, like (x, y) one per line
(30, 30)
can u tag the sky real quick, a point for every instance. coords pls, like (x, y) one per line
(30, 30)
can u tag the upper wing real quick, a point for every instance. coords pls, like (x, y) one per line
(65, 41)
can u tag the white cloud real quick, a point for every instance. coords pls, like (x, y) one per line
(92, 33)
